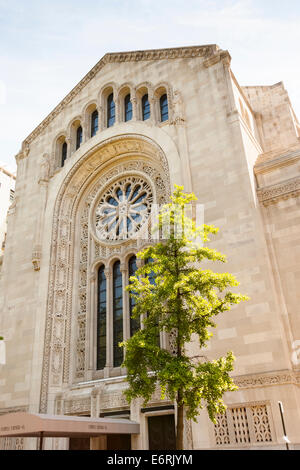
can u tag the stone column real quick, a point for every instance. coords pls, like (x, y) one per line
(100, 442)
(126, 319)
(93, 324)
(117, 109)
(109, 322)
(133, 100)
(135, 415)
(152, 108)
(69, 151)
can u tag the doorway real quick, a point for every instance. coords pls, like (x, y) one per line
(161, 430)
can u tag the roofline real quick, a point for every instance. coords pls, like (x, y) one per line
(118, 57)
(7, 173)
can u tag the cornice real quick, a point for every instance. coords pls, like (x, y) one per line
(119, 57)
(273, 160)
(271, 194)
(219, 56)
(268, 379)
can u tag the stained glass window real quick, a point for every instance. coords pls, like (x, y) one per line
(101, 320)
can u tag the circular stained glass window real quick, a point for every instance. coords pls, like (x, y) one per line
(123, 209)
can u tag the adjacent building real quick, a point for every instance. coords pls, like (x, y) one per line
(136, 124)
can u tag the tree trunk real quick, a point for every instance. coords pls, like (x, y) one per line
(180, 423)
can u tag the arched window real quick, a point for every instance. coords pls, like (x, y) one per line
(151, 277)
(134, 323)
(117, 314)
(164, 109)
(101, 320)
(64, 151)
(145, 108)
(78, 137)
(128, 108)
(94, 123)
(111, 110)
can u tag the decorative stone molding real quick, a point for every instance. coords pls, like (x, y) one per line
(113, 158)
(77, 406)
(223, 56)
(135, 56)
(16, 409)
(272, 194)
(268, 379)
(44, 169)
(36, 257)
(177, 114)
(24, 152)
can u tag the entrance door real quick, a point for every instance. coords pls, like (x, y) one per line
(78, 443)
(119, 442)
(161, 431)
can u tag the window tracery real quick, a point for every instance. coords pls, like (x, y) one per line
(123, 209)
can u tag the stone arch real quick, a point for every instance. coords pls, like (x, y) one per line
(160, 89)
(87, 111)
(104, 93)
(70, 229)
(123, 90)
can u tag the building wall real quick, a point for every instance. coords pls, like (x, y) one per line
(7, 186)
(215, 134)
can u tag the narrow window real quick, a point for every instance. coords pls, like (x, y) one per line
(164, 109)
(128, 108)
(78, 137)
(64, 150)
(151, 278)
(111, 110)
(134, 323)
(117, 314)
(101, 320)
(145, 108)
(94, 123)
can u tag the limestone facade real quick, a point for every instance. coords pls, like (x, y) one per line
(238, 149)
(7, 190)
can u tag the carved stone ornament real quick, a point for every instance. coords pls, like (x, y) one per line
(123, 209)
(285, 190)
(44, 168)
(36, 258)
(114, 160)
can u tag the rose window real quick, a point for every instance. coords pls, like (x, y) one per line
(123, 209)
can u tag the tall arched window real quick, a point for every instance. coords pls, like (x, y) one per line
(134, 323)
(111, 110)
(94, 123)
(78, 137)
(128, 108)
(117, 314)
(151, 277)
(145, 108)
(164, 109)
(64, 151)
(101, 320)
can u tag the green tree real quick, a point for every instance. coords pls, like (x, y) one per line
(183, 299)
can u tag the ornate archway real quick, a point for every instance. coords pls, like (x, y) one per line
(75, 248)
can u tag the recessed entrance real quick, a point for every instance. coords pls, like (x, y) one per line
(161, 430)
(77, 443)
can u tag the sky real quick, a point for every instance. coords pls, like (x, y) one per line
(47, 46)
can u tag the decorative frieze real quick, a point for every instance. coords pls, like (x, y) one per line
(272, 194)
(264, 380)
(77, 406)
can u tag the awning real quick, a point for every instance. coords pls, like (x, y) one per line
(36, 425)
